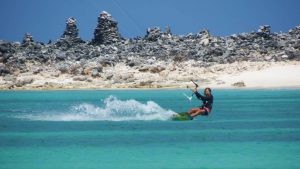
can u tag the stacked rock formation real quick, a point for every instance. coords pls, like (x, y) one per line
(106, 31)
(27, 40)
(71, 29)
(265, 29)
(70, 36)
(153, 34)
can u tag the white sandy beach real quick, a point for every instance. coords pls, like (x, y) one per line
(275, 76)
(223, 76)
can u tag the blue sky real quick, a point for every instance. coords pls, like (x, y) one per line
(45, 19)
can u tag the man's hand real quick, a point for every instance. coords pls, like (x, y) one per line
(195, 90)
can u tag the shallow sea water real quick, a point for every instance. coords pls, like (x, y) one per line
(131, 129)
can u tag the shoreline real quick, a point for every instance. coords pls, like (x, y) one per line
(147, 88)
(235, 76)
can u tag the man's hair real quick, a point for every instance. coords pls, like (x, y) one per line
(207, 89)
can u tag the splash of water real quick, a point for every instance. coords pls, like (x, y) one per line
(113, 109)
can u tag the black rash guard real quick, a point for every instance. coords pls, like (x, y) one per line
(207, 100)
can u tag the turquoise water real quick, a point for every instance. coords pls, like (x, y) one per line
(248, 129)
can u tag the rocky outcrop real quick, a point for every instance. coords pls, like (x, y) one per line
(295, 32)
(154, 34)
(106, 31)
(86, 61)
(239, 84)
(23, 81)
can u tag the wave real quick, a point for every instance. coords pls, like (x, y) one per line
(113, 109)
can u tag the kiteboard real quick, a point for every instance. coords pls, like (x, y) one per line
(184, 116)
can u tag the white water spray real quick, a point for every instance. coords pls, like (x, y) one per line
(113, 109)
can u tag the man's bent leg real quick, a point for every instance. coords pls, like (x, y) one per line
(192, 111)
(198, 112)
